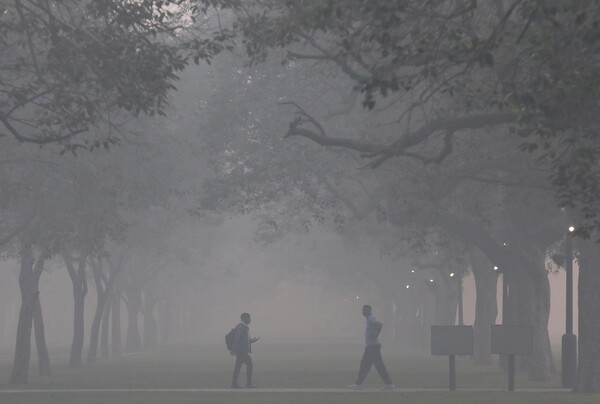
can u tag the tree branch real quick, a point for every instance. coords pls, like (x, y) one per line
(382, 152)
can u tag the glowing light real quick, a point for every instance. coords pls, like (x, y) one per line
(571, 229)
(412, 271)
(495, 268)
(356, 297)
(505, 244)
(407, 286)
(431, 280)
(451, 274)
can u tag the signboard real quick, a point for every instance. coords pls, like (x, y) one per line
(451, 340)
(512, 339)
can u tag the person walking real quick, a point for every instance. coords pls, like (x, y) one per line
(242, 347)
(372, 354)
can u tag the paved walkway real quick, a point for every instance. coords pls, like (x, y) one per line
(270, 390)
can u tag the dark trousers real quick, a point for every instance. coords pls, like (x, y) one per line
(372, 356)
(239, 359)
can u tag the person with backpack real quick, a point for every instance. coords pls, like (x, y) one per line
(372, 354)
(241, 347)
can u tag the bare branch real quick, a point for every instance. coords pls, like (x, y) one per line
(382, 152)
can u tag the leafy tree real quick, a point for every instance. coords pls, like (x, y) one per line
(69, 67)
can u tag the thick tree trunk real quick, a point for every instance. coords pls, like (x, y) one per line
(151, 298)
(95, 330)
(133, 341)
(588, 366)
(165, 318)
(79, 282)
(486, 307)
(150, 339)
(412, 335)
(446, 301)
(29, 297)
(115, 328)
(533, 301)
(101, 292)
(105, 328)
(78, 328)
(3, 311)
(29, 278)
(40, 340)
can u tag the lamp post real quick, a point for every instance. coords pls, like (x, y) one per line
(459, 297)
(569, 340)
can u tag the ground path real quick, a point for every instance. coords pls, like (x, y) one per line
(268, 390)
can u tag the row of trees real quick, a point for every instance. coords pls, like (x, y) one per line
(478, 118)
(74, 75)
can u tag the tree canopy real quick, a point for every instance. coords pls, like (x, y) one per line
(69, 67)
(453, 67)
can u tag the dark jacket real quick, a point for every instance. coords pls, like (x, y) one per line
(241, 342)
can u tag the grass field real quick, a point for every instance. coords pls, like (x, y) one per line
(301, 366)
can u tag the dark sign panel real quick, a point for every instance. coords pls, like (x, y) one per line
(512, 339)
(451, 340)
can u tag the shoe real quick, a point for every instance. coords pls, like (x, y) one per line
(235, 386)
(390, 386)
(355, 386)
(251, 386)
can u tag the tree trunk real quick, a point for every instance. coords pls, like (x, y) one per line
(29, 277)
(411, 335)
(78, 328)
(446, 301)
(79, 282)
(101, 291)
(533, 301)
(150, 327)
(95, 330)
(3, 311)
(40, 340)
(105, 328)
(588, 365)
(29, 297)
(486, 307)
(115, 308)
(133, 341)
(165, 318)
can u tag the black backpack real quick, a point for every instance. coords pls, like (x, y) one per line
(229, 338)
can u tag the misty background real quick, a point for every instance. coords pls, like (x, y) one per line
(166, 166)
(300, 289)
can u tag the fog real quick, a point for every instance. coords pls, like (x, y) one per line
(303, 288)
(168, 166)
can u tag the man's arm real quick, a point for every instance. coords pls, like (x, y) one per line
(379, 326)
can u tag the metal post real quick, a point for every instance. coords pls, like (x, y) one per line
(503, 357)
(460, 301)
(511, 372)
(452, 368)
(504, 297)
(569, 340)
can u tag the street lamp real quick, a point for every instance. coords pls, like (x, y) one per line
(459, 297)
(569, 340)
(504, 293)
